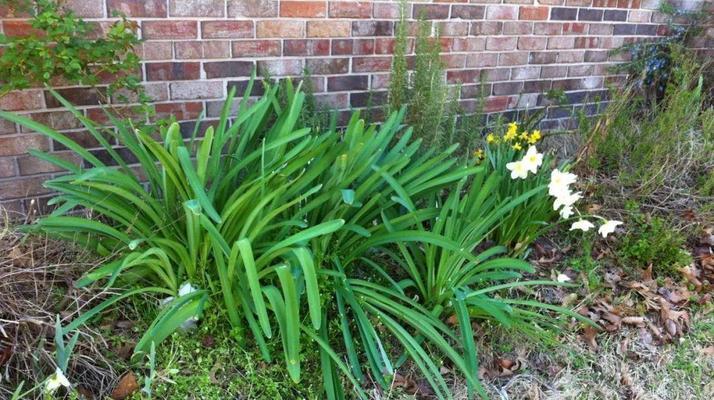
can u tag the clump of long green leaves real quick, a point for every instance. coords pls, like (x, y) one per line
(293, 234)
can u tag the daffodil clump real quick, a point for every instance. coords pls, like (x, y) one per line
(559, 188)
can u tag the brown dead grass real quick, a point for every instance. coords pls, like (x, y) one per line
(36, 275)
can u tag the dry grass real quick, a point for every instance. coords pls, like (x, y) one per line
(36, 276)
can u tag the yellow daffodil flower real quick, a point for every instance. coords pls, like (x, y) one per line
(491, 138)
(511, 132)
(517, 147)
(479, 154)
(534, 137)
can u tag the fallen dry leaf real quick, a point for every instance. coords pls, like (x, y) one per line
(588, 335)
(126, 387)
(708, 351)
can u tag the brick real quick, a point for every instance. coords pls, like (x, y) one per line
(347, 83)
(21, 144)
(197, 8)
(372, 28)
(258, 88)
(646, 30)
(596, 56)
(552, 71)
(23, 188)
(525, 73)
(506, 88)
(7, 127)
(463, 76)
(281, 67)
(501, 43)
(533, 13)
(639, 16)
(387, 10)
(468, 11)
(453, 28)
(169, 29)
(586, 42)
(353, 46)
(328, 66)
(513, 58)
(531, 43)
(333, 101)
(202, 49)
(573, 28)
(563, 14)
(615, 15)
(16, 28)
(304, 9)
(137, 8)
(156, 50)
(306, 47)
(280, 29)
(590, 14)
(329, 29)
(23, 100)
(542, 57)
(494, 104)
(519, 28)
(196, 90)
(468, 44)
(181, 111)
(547, 28)
(561, 43)
(228, 69)
(172, 71)
(601, 29)
(371, 64)
(485, 28)
(350, 9)
(430, 11)
(570, 56)
(86, 9)
(77, 96)
(256, 48)
(58, 120)
(501, 12)
(226, 29)
(480, 60)
(8, 167)
(369, 99)
(624, 29)
(384, 45)
(252, 8)
(29, 165)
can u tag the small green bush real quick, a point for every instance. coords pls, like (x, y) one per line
(651, 240)
(62, 46)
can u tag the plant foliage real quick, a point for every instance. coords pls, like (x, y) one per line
(289, 233)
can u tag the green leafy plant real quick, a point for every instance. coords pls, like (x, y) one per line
(61, 45)
(287, 232)
(651, 240)
(524, 223)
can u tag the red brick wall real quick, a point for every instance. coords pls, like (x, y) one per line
(195, 49)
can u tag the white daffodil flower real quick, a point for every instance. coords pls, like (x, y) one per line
(563, 278)
(566, 212)
(56, 381)
(533, 159)
(608, 227)
(583, 224)
(566, 200)
(560, 182)
(184, 290)
(518, 169)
